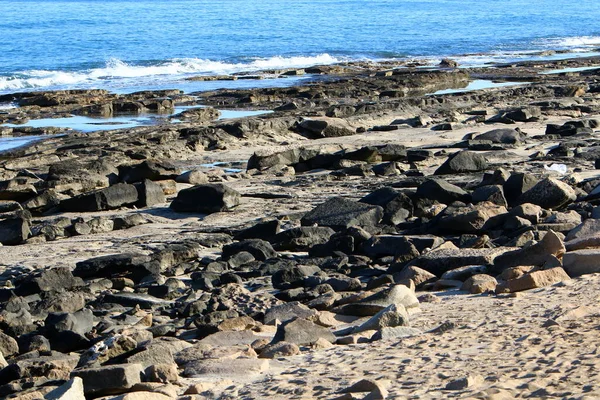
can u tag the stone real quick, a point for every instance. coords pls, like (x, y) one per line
(206, 199)
(326, 127)
(582, 262)
(281, 349)
(149, 194)
(51, 366)
(464, 273)
(302, 332)
(441, 260)
(260, 249)
(504, 136)
(549, 193)
(163, 373)
(339, 213)
(142, 395)
(464, 383)
(135, 266)
(287, 311)
(532, 280)
(149, 169)
(109, 198)
(397, 332)
(371, 305)
(537, 254)
(265, 230)
(388, 245)
(70, 390)
(516, 185)
(588, 228)
(229, 338)
(491, 193)
(14, 231)
(49, 280)
(418, 275)
(8, 345)
(110, 379)
(193, 177)
(480, 283)
(392, 316)
(463, 161)
(227, 368)
(442, 191)
(301, 238)
(473, 218)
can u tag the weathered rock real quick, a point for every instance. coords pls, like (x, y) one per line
(418, 275)
(109, 198)
(281, 349)
(480, 283)
(371, 305)
(301, 238)
(14, 231)
(463, 161)
(441, 260)
(442, 191)
(504, 136)
(339, 213)
(193, 177)
(149, 194)
(134, 266)
(111, 379)
(302, 332)
(397, 332)
(387, 245)
(70, 390)
(260, 249)
(537, 254)
(491, 193)
(326, 127)
(392, 316)
(582, 262)
(207, 199)
(532, 280)
(469, 219)
(285, 312)
(549, 193)
(53, 279)
(151, 170)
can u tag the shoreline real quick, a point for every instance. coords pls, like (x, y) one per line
(209, 258)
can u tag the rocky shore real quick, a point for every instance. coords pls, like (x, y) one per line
(367, 239)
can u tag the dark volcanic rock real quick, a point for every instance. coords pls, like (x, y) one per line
(108, 198)
(442, 191)
(463, 161)
(206, 199)
(339, 213)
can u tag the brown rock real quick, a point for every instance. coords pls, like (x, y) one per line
(534, 280)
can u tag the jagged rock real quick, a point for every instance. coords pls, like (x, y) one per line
(292, 277)
(285, 312)
(207, 199)
(301, 238)
(135, 266)
(8, 345)
(504, 136)
(392, 316)
(263, 230)
(442, 191)
(108, 198)
(463, 161)
(532, 280)
(469, 219)
(281, 349)
(70, 390)
(537, 254)
(52, 279)
(260, 249)
(387, 245)
(549, 193)
(15, 230)
(480, 283)
(491, 193)
(326, 128)
(111, 379)
(149, 194)
(339, 213)
(151, 170)
(302, 332)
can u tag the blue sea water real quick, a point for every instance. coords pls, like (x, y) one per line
(126, 45)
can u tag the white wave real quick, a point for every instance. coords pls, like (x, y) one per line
(576, 42)
(115, 69)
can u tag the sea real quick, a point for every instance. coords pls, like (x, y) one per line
(130, 45)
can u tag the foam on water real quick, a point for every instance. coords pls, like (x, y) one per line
(174, 69)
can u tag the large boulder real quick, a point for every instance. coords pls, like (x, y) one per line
(504, 136)
(152, 170)
(206, 199)
(109, 198)
(549, 193)
(14, 230)
(301, 238)
(134, 266)
(442, 191)
(149, 193)
(463, 161)
(302, 332)
(340, 213)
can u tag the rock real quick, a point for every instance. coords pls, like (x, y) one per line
(537, 254)
(80, 322)
(142, 395)
(135, 266)
(339, 213)
(588, 228)
(480, 283)
(301, 238)
(442, 191)
(142, 300)
(109, 198)
(326, 128)
(582, 262)
(200, 114)
(111, 379)
(464, 383)
(504, 136)
(371, 305)
(70, 390)
(387, 245)
(52, 366)
(151, 170)
(418, 275)
(14, 231)
(287, 311)
(463, 161)
(549, 193)
(207, 199)
(281, 349)
(263, 230)
(392, 316)
(8, 345)
(441, 260)
(469, 219)
(532, 280)
(464, 273)
(163, 373)
(292, 277)
(227, 368)
(149, 194)
(492, 193)
(49, 280)
(193, 177)
(398, 332)
(260, 249)
(302, 332)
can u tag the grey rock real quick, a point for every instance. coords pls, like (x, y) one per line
(206, 199)
(339, 213)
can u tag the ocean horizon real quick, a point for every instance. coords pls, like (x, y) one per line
(124, 45)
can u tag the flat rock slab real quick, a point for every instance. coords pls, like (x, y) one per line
(230, 338)
(582, 262)
(224, 368)
(439, 261)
